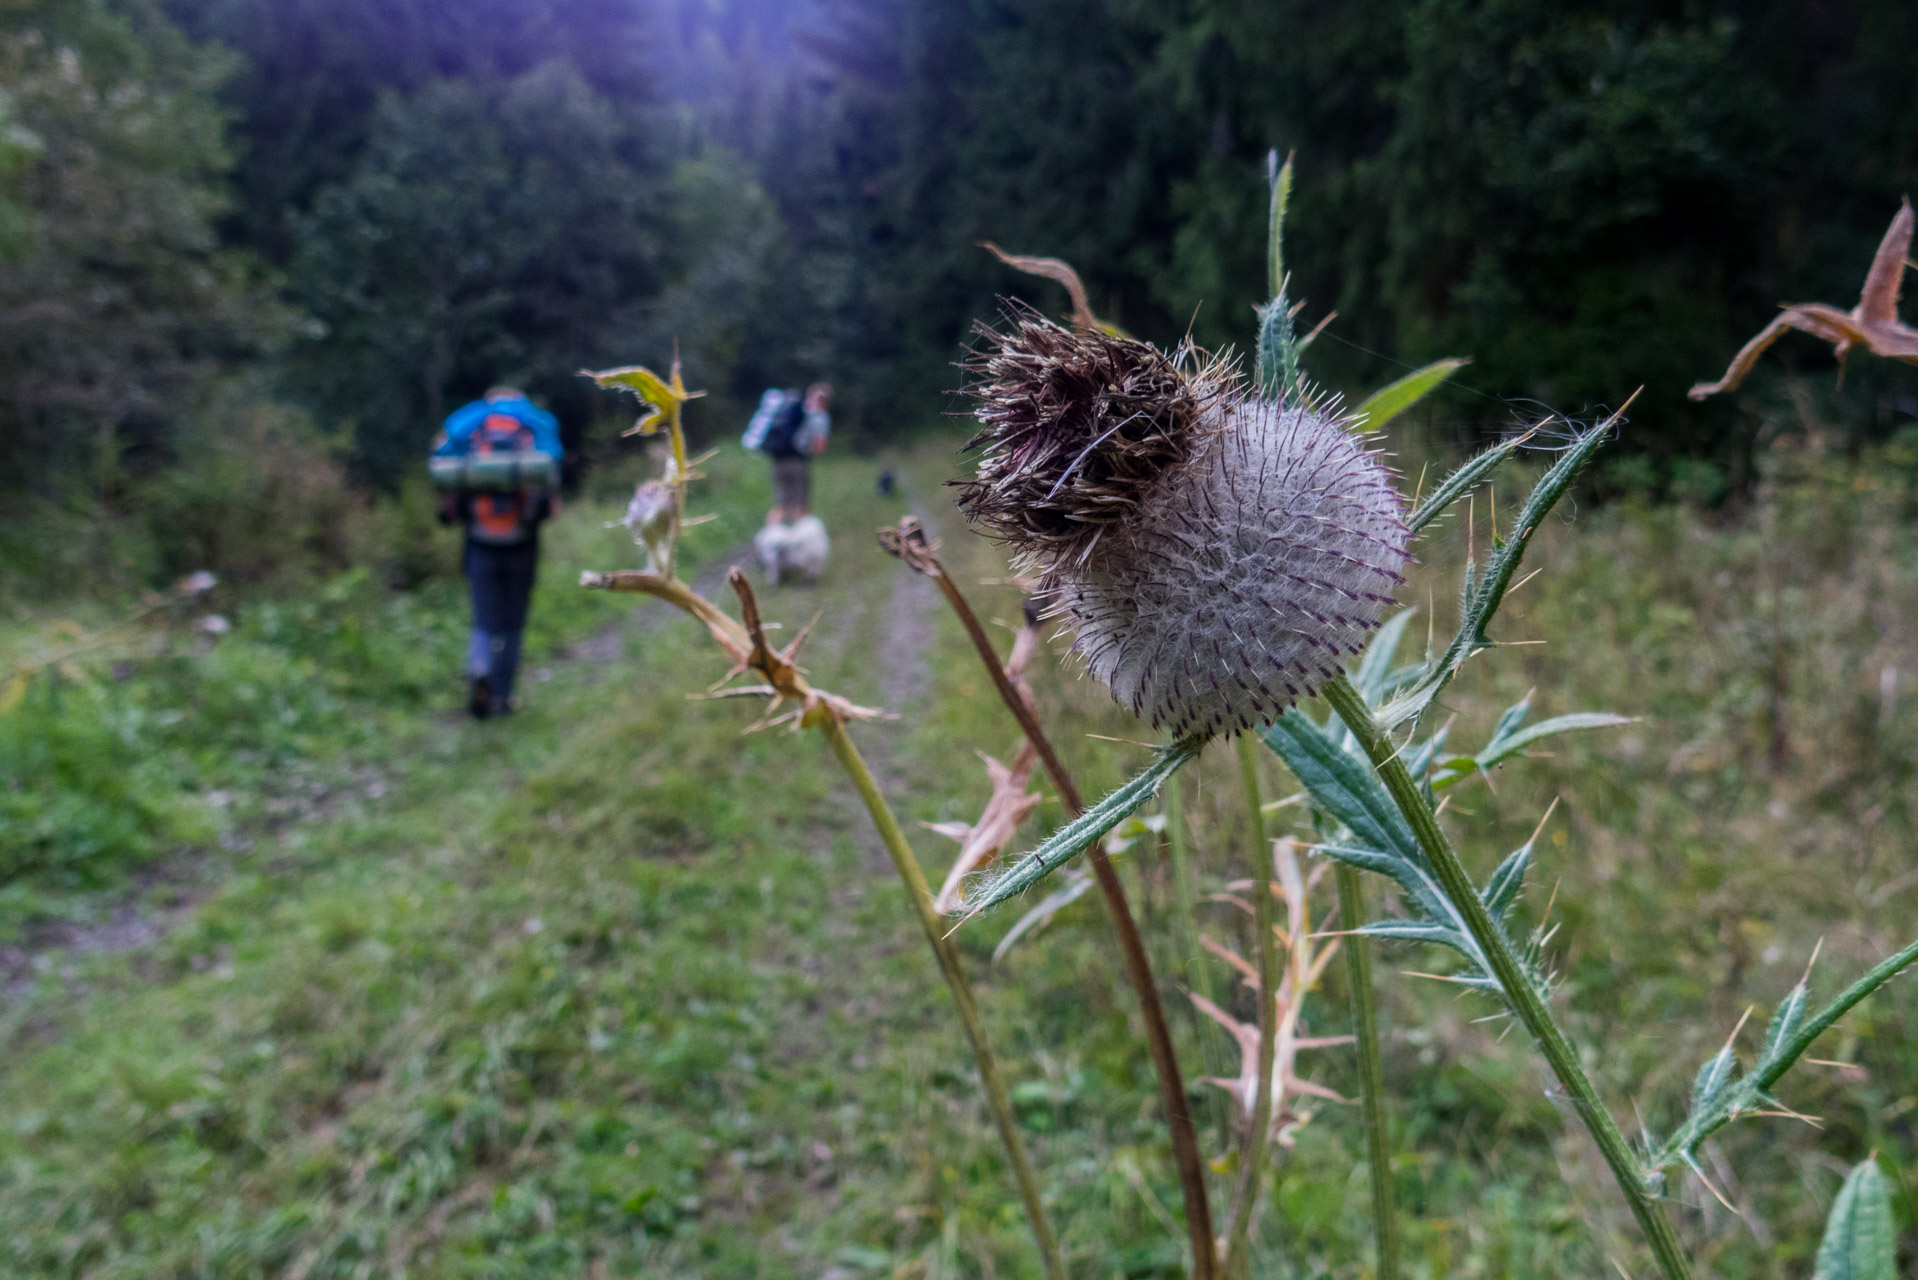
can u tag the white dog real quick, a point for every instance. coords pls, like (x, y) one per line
(800, 547)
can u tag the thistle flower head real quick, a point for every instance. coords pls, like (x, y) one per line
(1076, 430)
(1239, 549)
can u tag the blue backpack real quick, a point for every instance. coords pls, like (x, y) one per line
(782, 433)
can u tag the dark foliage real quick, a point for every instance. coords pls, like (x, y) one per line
(1583, 197)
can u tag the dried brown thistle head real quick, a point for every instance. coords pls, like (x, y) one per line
(1076, 431)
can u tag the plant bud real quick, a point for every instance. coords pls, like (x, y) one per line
(1218, 556)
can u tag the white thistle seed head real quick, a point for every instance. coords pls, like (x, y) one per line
(1243, 575)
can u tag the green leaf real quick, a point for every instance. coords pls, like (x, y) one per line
(1276, 365)
(1342, 785)
(1860, 1236)
(1411, 931)
(1784, 1021)
(1788, 1036)
(1509, 740)
(1512, 717)
(1499, 751)
(1501, 891)
(1275, 224)
(1077, 836)
(1375, 668)
(1713, 1076)
(1375, 837)
(1389, 401)
(1418, 760)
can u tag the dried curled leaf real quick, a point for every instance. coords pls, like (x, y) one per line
(1873, 324)
(1056, 269)
(981, 842)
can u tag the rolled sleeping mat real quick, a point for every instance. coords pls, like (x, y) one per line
(496, 472)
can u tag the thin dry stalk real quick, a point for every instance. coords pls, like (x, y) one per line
(1302, 969)
(911, 544)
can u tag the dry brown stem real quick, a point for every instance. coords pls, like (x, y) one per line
(746, 644)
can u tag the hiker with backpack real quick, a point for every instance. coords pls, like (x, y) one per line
(497, 464)
(790, 429)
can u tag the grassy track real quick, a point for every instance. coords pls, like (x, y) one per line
(610, 989)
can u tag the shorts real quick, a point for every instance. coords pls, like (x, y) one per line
(792, 483)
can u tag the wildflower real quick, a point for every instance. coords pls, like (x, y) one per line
(1219, 555)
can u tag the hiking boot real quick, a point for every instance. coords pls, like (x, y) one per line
(480, 703)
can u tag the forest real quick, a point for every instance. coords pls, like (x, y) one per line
(1477, 918)
(321, 225)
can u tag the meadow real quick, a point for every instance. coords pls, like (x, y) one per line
(306, 975)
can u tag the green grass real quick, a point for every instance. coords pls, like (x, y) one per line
(609, 989)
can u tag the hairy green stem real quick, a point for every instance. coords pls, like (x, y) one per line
(1524, 1000)
(1245, 1200)
(1197, 976)
(1365, 1027)
(921, 894)
(1184, 891)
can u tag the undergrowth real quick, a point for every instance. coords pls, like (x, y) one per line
(610, 990)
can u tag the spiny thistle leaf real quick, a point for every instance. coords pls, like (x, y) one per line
(1375, 667)
(1373, 836)
(1484, 592)
(1787, 1037)
(1785, 1020)
(1418, 759)
(1077, 836)
(1280, 178)
(1276, 368)
(1501, 891)
(1713, 1077)
(1389, 401)
(1860, 1236)
(1459, 482)
(1509, 739)
(1343, 786)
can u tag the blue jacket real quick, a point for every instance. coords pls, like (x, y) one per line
(463, 421)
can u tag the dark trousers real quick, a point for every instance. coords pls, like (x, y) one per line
(502, 582)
